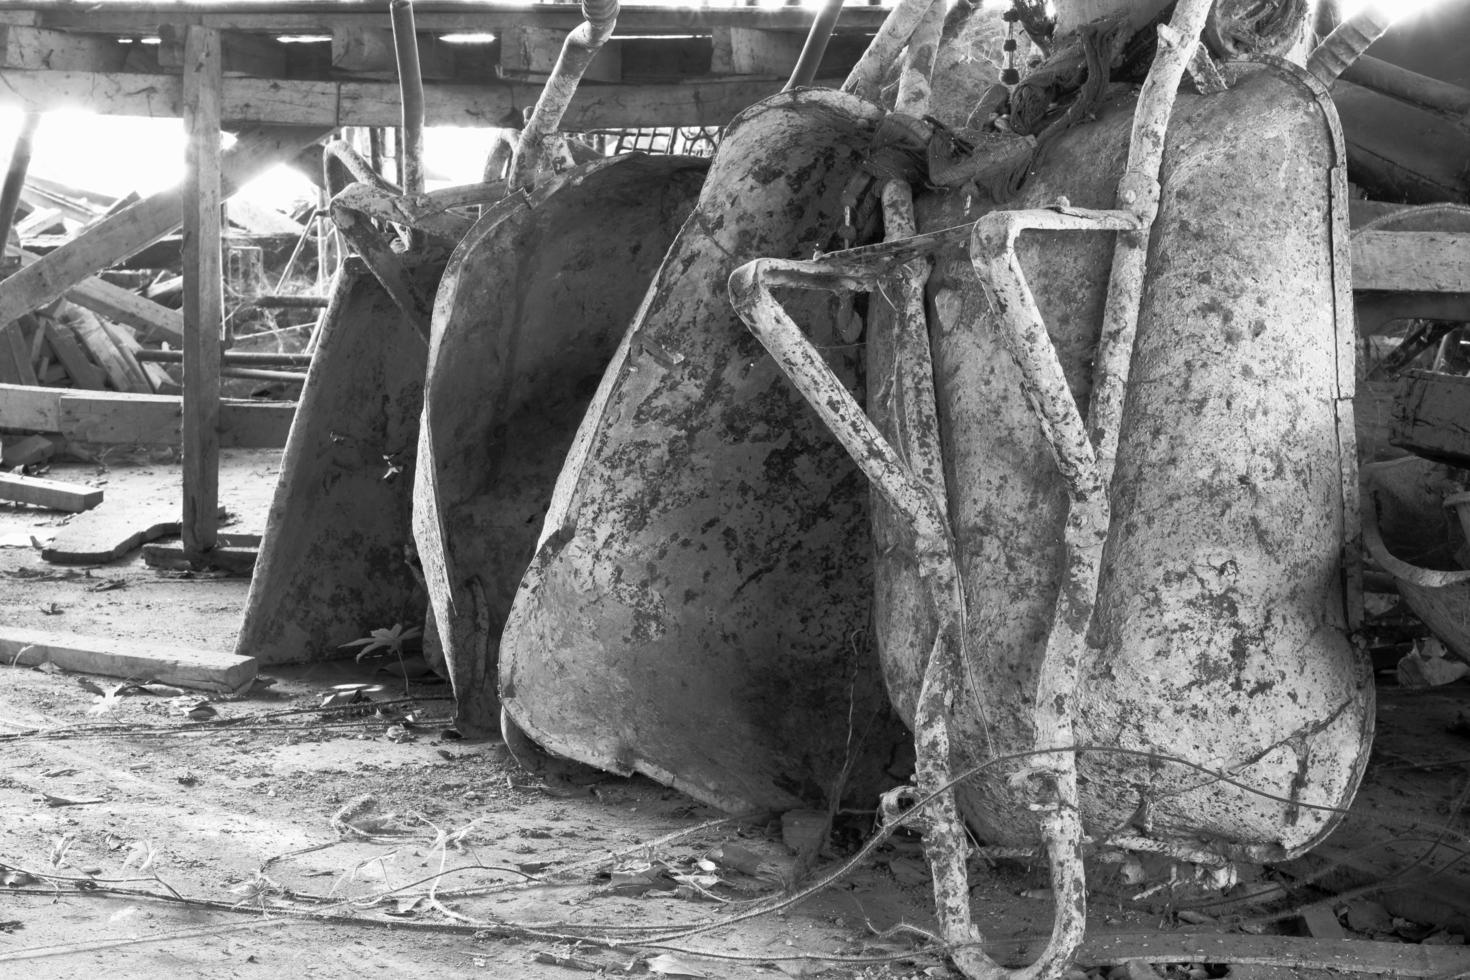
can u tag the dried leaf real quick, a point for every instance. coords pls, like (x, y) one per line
(201, 711)
(671, 966)
(141, 854)
(90, 686)
(739, 858)
(406, 907)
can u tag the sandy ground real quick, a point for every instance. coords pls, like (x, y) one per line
(277, 839)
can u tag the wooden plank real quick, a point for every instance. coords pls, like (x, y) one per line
(764, 52)
(203, 286)
(111, 417)
(36, 49)
(51, 494)
(120, 235)
(708, 102)
(1345, 956)
(157, 321)
(153, 376)
(204, 670)
(1431, 416)
(1412, 261)
(123, 375)
(1399, 151)
(15, 358)
(244, 54)
(173, 556)
(83, 373)
(370, 51)
(531, 52)
(431, 16)
(110, 532)
(31, 450)
(260, 219)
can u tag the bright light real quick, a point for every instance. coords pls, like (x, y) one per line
(1399, 9)
(467, 38)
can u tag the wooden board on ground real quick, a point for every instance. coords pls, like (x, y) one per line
(110, 532)
(50, 494)
(238, 561)
(204, 670)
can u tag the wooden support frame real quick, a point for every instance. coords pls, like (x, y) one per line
(135, 227)
(332, 104)
(203, 83)
(115, 418)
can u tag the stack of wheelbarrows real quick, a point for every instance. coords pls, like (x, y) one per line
(914, 414)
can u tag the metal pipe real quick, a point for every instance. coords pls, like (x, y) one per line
(411, 85)
(235, 357)
(257, 374)
(277, 301)
(816, 45)
(577, 52)
(356, 167)
(15, 175)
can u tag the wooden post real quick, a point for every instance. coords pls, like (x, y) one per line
(20, 162)
(203, 287)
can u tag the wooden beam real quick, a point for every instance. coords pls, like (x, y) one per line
(51, 494)
(111, 417)
(36, 49)
(470, 16)
(531, 52)
(332, 104)
(83, 373)
(1400, 151)
(1430, 412)
(203, 670)
(244, 54)
(203, 286)
(156, 321)
(120, 235)
(1412, 261)
(370, 51)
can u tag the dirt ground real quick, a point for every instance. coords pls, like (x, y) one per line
(264, 836)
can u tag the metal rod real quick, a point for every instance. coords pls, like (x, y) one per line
(816, 45)
(279, 301)
(237, 357)
(411, 85)
(257, 374)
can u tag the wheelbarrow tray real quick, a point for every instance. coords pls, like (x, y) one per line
(697, 609)
(529, 311)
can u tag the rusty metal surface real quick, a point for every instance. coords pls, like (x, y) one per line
(529, 312)
(332, 560)
(698, 606)
(1219, 636)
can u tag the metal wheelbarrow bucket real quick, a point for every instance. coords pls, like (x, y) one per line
(529, 311)
(1204, 680)
(697, 609)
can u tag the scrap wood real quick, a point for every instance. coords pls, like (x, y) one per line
(30, 450)
(122, 371)
(204, 670)
(1341, 955)
(53, 494)
(111, 532)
